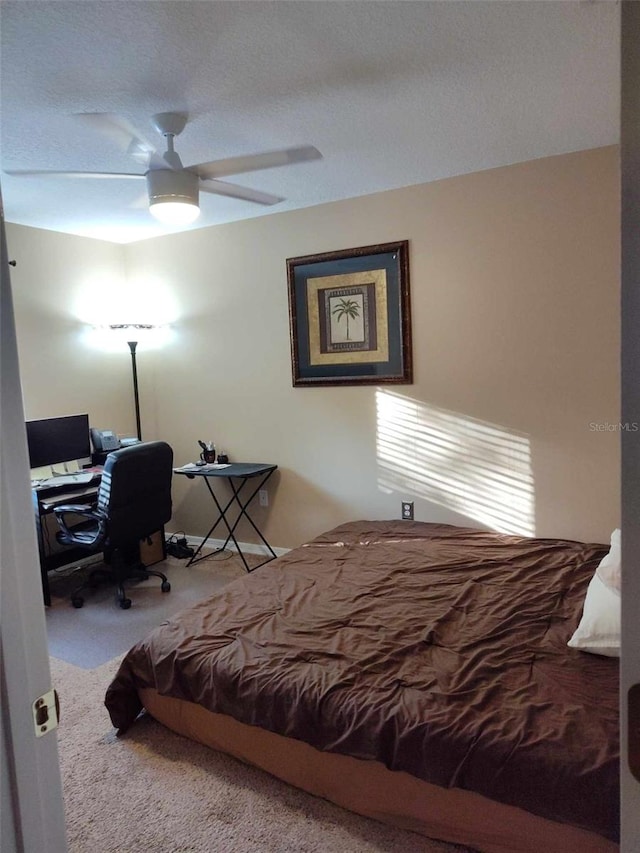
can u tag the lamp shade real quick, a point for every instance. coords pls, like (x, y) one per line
(173, 196)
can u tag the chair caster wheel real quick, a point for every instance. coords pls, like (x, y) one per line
(125, 603)
(166, 586)
(77, 601)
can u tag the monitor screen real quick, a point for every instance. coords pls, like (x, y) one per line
(55, 440)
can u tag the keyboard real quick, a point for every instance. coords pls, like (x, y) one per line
(66, 480)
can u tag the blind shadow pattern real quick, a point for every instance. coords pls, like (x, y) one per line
(473, 467)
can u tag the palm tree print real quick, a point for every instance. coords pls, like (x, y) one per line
(346, 308)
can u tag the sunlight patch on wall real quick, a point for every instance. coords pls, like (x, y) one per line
(473, 467)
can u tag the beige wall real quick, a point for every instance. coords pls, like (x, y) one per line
(60, 284)
(515, 303)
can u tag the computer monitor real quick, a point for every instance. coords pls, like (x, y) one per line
(53, 441)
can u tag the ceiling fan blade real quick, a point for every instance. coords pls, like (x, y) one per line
(122, 133)
(53, 174)
(147, 159)
(253, 162)
(172, 158)
(234, 191)
(141, 202)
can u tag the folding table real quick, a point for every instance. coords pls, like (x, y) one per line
(238, 475)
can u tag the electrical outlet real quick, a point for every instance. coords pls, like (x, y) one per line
(263, 495)
(407, 510)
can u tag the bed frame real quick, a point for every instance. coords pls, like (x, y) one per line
(370, 789)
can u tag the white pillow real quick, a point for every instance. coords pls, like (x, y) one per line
(600, 625)
(609, 568)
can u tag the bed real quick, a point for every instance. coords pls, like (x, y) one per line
(412, 672)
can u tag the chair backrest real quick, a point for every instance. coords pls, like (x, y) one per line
(135, 491)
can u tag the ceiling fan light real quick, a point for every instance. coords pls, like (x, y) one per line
(171, 212)
(173, 196)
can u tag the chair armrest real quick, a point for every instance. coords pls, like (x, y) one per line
(78, 509)
(84, 511)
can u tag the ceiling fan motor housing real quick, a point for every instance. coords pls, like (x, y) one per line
(164, 185)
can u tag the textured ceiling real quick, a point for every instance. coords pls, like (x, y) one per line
(391, 93)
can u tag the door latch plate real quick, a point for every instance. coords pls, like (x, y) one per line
(46, 712)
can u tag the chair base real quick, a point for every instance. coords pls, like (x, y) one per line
(120, 573)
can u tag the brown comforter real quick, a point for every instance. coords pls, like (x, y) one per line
(437, 650)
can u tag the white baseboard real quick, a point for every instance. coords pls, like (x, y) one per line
(215, 544)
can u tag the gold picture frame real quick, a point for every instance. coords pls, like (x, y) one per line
(350, 316)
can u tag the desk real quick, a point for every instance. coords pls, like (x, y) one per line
(240, 499)
(44, 500)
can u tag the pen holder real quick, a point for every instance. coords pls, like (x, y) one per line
(208, 456)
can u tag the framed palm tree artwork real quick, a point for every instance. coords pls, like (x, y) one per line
(350, 316)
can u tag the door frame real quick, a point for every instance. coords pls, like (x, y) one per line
(32, 803)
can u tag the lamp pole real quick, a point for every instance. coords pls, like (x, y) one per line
(130, 329)
(132, 347)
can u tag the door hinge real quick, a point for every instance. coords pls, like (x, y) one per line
(46, 712)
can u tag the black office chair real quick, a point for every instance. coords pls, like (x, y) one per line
(134, 502)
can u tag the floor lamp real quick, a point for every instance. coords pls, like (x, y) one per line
(132, 346)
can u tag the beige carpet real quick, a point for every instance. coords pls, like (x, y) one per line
(100, 630)
(152, 791)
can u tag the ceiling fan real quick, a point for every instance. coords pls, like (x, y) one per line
(172, 188)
